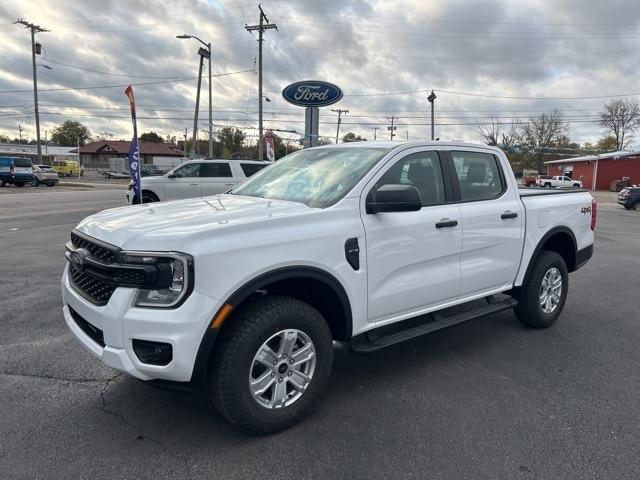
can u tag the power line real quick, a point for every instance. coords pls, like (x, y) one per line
(95, 87)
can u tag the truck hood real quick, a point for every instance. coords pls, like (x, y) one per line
(171, 224)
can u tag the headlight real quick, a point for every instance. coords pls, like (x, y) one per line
(175, 278)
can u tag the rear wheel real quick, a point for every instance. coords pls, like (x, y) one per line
(19, 184)
(2, 183)
(149, 197)
(273, 361)
(637, 205)
(542, 297)
(577, 185)
(547, 185)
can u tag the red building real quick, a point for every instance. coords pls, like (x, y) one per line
(598, 171)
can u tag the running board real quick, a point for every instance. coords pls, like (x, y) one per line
(386, 336)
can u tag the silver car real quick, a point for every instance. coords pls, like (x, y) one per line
(43, 174)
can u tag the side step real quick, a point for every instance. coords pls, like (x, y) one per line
(411, 328)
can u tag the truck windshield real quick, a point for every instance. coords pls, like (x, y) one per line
(317, 177)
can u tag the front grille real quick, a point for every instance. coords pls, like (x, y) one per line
(92, 288)
(97, 250)
(94, 333)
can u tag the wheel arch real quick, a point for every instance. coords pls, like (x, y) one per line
(560, 240)
(312, 285)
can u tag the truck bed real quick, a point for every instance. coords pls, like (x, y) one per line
(534, 192)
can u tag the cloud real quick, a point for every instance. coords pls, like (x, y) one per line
(532, 48)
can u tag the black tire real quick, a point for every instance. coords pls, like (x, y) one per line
(547, 185)
(637, 205)
(19, 184)
(529, 310)
(149, 197)
(232, 361)
(576, 185)
(50, 184)
(2, 184)
(35, 182)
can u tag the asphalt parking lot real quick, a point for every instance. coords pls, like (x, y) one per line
(486, 399)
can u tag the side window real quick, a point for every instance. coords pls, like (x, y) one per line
(251, 168)
(478, 175)
(189, 170)
(215, 170)
(422, 170)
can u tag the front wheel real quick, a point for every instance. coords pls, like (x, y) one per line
(576, 185)
(19, 184)
(273, 361)
(637, 205)
(547, 185)
(544, 293)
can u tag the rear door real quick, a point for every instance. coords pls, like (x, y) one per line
(413, 259)
(216, 177)
(492, 222)
(185, 182)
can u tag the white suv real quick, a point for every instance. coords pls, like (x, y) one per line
(197, 178)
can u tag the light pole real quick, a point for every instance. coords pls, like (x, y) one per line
(195, 123)
(431, 99)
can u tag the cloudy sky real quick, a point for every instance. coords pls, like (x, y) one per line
(385, 54)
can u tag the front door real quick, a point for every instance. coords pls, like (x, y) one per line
(185, 182)
(413, 258)
(492, 222)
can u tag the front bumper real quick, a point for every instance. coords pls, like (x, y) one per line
(120, 322)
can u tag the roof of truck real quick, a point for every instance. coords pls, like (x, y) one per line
(414, 143)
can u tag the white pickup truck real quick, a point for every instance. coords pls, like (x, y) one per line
(364, 243)
(557, 181)
(196, 178)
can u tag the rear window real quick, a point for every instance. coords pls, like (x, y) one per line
(251, 168)
(544, 177)
(215, 170)
(23, 162)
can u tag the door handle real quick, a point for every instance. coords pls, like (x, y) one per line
(507, 215)
(446, 223)
(229, 184)
(194, 184)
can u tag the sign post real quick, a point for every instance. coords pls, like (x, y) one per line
(312, 94)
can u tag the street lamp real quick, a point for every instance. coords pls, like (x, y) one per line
(431, 99)
(195, 120)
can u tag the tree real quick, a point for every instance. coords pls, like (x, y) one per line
(607, 144)
(491, 132)
(172, 139)
(541, 135)
(151, 137)
(352, 137)
(231, 139)
(69, 133)
(621, 118)
(4, 138)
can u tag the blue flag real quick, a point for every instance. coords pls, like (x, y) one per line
(134, 150)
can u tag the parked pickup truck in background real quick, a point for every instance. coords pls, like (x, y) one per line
(365, 243)
(558, 181)
(196, 178)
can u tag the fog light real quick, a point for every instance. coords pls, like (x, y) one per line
(153, 353)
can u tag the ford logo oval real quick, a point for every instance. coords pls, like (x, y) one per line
(312, 93)
(78, 258)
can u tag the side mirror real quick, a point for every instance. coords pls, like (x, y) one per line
(171, 175)
(394, 198)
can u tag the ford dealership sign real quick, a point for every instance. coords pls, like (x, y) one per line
(312, 93)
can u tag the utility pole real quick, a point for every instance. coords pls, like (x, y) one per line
(375, 131)
(186, 134)
(208, 53)
(392, 129)
(261, 28)
(339, 111)
(35, 46)
(431, 99)
(20, 130)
